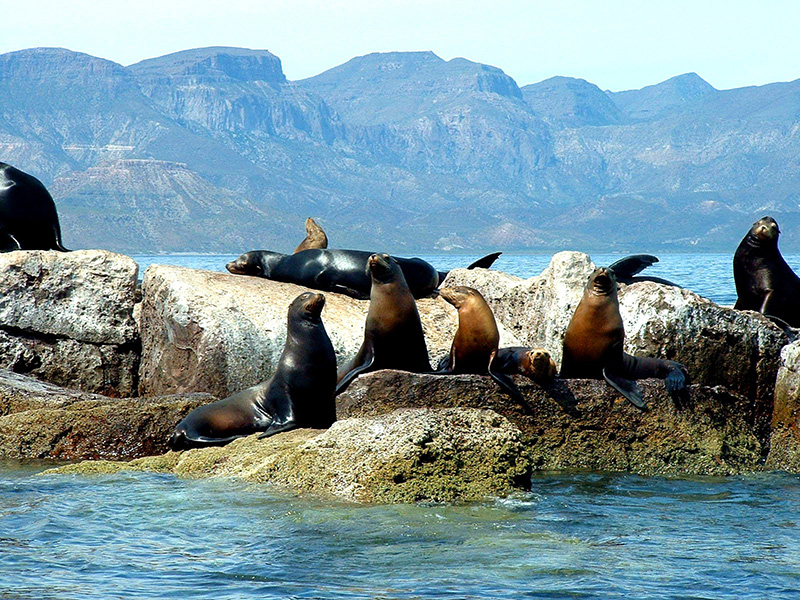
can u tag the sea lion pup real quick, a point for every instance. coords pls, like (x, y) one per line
(764, 282)
(533, 363)
(315, 237)
(594, 340)
(28, 217)
(299, 394)
(393, 337)
(475, 343)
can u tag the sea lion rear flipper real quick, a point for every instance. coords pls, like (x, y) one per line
(486, 262)
(369, 359)
(508, 385)
(627, 267)
(627, 388)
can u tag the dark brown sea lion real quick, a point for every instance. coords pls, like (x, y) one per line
(315, 237)
(28, 217)
(764, 282)
(533, 363)
(593, 345)
(475, 343)
(299, 394)
(393, 337)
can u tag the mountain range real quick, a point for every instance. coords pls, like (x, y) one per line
(214, 150)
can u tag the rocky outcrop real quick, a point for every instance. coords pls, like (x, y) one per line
(67, 318)
(438, 455)
(41, 420)
(586, 424)
(785, 442)
(220, 333)
(720, 346)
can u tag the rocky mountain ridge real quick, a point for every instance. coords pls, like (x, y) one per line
(213, 149)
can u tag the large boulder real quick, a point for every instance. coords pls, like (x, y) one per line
(444, 455)
(585, 423)
(720, 346)
(67, 318)
(784, 451)
(41, 420)
(220, 333)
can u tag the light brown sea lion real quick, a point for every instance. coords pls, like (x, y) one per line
(299, 394)
(593, 344)
(764, 282)
(315, 237)
(475, 343)
(393, 337)
(533, 363)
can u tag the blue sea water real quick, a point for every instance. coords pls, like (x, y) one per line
(575, 535)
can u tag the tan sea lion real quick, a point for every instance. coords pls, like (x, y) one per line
(593, 345)
(393, 337)
(533, 363)
(299, 394)
(315, 237)
(475, 343)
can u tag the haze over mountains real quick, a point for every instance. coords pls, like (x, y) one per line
(214, 150)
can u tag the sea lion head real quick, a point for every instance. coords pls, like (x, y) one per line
(458, 295)
(766, 230)
(602, 282)
(383, 268)
(255, 263)
(307, 306)
(537, 364)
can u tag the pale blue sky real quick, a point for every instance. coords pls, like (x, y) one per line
(616, 44)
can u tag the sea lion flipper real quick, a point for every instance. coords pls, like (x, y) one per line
(627, 388)
(508, 385)
(340, 289)
(627, 267)
(369, 359)
(485, 262)
(278, 428)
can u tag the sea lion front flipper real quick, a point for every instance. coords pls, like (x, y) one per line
(627, 267)
(278, 428)
(507, 384)
(369, 359)
(341, 289)
(627, 388)
(486, 262)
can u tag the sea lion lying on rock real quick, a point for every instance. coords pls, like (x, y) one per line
(533, 363)
(299, 394)
(593, 345)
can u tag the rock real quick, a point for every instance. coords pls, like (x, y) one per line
(221, 333)
(444, 455)
(585, 423)
(67, 318)
(41, 420)
(720, 346)
(784, 453)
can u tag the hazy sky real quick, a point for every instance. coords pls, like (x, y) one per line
(616, 44)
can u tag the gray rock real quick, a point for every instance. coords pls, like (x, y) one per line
(41, 420)
(584, 423)
(220, 333)
(784, 451)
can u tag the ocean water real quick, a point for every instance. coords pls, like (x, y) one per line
(710, 275)
(575, 535)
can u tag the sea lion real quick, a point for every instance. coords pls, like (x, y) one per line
(393, 337)
(28, 217)
(764, 282)
(533, 363)
(341, 271)
(475, 343)
(594, 340)
(299, 394)
(315, 237)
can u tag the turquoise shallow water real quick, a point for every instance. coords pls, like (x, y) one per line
(575, 535)
(710, 275)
